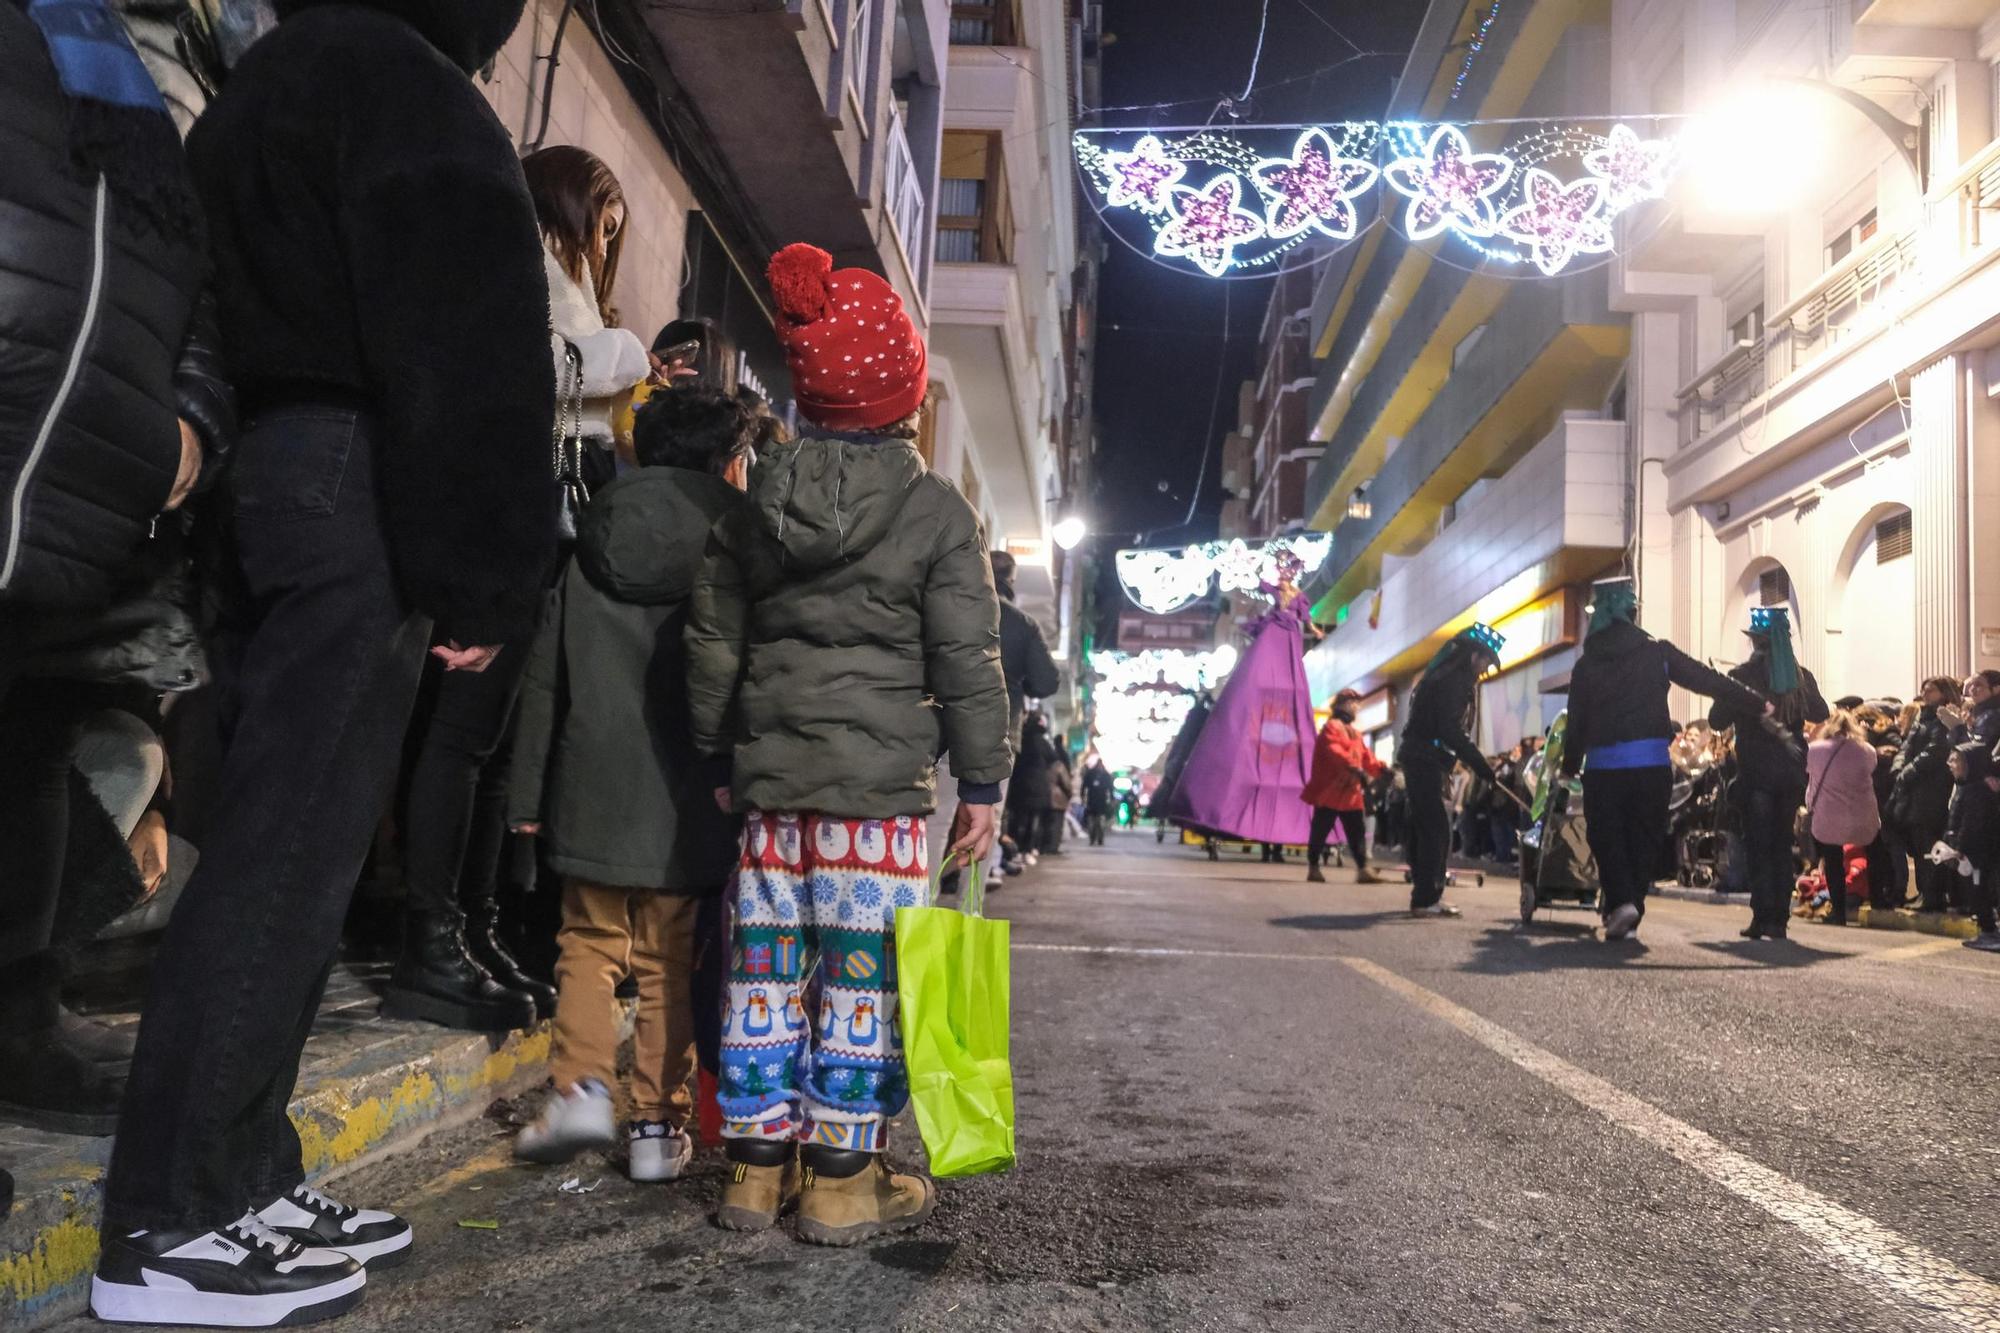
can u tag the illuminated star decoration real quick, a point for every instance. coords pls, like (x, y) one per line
(1142, 177)
(1632, 169)
(1208, 224)
(1449, 186)
(1559, 222)
(1313, 189)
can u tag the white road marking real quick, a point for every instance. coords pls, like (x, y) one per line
(1871, 1253)
(1175, 953)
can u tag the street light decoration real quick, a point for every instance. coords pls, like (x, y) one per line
(1164, 581)
(1547, 197)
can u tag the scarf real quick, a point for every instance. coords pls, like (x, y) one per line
(118, 123)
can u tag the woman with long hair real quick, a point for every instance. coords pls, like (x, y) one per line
(1840, 795)
(1771, 764)
(454, 969)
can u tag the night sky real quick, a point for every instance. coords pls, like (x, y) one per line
(1161, 333)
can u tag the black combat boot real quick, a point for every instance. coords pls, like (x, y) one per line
(437, 980)
(482, 939)
(46, 1082)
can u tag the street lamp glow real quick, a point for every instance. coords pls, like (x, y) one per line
(1070, 532)
(1761, 150)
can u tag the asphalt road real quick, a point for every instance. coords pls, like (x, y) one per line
(1251, 1103)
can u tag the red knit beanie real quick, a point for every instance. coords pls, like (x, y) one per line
(857, 362)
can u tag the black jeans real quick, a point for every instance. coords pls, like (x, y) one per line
(1768, 852)
(1625, 821)
(1934, 887)
(1096, 825)
(1352, 831)
(1430, 829)
(1888, 869)
(39, 720)
(454, 827)
(318, 667)
(1833, 865)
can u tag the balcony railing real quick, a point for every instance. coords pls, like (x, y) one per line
(995, 24)
(903, 191)
(1849, 299)
(1856, 296)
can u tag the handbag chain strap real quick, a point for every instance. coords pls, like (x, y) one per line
(568, 435)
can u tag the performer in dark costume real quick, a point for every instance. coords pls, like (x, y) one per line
(1618, 732)
(1441, 710)
(1771, 764)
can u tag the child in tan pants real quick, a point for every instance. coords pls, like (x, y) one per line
(605, 773)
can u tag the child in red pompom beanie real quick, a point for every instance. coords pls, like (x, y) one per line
(856, 360)
(844, 634)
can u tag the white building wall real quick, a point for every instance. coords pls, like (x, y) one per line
(591, 109)
(1876, 406)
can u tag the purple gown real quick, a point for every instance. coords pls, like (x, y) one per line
(1250, 763)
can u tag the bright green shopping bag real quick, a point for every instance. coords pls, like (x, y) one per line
(951, 975)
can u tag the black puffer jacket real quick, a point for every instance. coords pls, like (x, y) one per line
(847, 633)
(95, 358)
(375, 243)
(1025, 659)
(1920, 785)
(1618, 691)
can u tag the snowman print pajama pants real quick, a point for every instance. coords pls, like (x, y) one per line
(814, 939)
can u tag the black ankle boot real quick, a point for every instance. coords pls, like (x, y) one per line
(98, 1042)
(482, 939)
(45, 1081)
(437, 980)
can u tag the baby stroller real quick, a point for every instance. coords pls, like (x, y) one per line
(1699, 808)
(1557, 869)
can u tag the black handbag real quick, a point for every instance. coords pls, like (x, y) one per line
(568, 439)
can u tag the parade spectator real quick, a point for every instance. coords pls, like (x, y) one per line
(1503, 812)
(454, 970)
(1062, 786)
(383, 309)
(626, 811)
(1100, 797)
(1920, 791)
(846, 631)
(113, 412)
(1972, 836)
(1027, 792)
(1770, 780)
(1342, 769)
(1840, 802)
(1888, 859)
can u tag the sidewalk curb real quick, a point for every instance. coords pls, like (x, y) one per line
(1919, 923)
(346, 1118)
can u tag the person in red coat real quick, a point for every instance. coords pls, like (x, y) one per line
(1342, 767)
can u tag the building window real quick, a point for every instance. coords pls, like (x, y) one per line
(1893, 538)
(975, 221)
(1748, 330)
(994, 24)
(1774, 587)
(1852, 238)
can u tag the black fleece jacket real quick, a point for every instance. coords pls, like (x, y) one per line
(375, 243)
(1618, 691)
(1440, 715)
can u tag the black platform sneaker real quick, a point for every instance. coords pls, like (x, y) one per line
(373, 1239)
(244, 1275)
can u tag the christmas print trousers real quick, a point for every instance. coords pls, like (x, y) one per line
(816, 899)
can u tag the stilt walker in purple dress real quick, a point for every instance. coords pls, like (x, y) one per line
(1250, 763)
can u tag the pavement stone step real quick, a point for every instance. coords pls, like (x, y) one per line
(368, 1085)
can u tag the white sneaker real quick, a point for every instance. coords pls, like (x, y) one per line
(655, 1152)
(571, 1122)
(1624, 919)
(369, 1237)
(244, 1275)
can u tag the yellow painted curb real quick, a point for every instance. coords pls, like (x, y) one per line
(1922, 923)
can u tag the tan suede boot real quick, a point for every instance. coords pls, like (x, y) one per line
(1367, 875)
(763, 1183)
(851, 1196)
